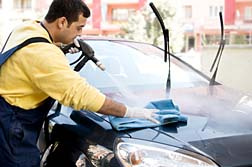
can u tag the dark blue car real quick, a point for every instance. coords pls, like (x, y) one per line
(218, 131)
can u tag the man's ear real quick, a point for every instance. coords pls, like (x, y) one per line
(62, 22)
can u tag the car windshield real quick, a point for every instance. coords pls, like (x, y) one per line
(136, 66)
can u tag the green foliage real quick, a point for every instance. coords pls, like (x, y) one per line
(144, 26)
(238, 39)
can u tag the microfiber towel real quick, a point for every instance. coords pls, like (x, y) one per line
(168, 113)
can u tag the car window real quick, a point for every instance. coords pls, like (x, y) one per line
(134, 68)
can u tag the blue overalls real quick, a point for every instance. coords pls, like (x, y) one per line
(19, 128)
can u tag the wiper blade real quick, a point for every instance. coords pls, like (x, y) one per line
(166, 45)
(219, 53)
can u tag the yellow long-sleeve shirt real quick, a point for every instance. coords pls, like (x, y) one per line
(40, 70)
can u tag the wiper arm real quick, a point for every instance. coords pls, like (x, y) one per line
(166, 45)
(219, 53)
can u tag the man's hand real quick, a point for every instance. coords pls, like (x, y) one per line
(134, 112)
(71, 48)
(75, 49)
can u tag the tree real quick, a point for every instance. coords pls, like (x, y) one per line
(144, 26)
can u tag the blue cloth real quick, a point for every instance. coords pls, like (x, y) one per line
(168, 113)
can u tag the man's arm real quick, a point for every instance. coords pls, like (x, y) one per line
(111, 107)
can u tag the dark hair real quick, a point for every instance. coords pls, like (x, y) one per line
(71, 9)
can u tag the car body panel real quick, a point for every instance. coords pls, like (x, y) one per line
(219, 118)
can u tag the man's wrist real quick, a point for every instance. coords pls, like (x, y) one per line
(126, 114)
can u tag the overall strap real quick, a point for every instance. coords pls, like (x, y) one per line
(6, 42)
(4, 56)
(24, 125)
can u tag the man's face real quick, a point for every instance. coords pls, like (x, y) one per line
(72, 31)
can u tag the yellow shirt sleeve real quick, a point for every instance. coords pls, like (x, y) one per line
(50, 72)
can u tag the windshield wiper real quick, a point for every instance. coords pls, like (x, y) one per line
(166, 45)
(219, 54)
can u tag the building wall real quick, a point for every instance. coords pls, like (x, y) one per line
(200, 11)
(105, 14)
(103, 22)
(204, 20)
(240, 30)
(240, 7)
(229, 12)
(10, 16)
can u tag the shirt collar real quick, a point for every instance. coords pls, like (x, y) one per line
(46, 30)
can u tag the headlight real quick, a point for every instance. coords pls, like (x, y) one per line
(136, 153)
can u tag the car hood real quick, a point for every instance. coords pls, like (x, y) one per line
(219, 123)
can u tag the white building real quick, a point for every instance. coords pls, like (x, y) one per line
(12, 12)
(199, 18)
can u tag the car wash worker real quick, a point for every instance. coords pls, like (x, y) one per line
(40, 70)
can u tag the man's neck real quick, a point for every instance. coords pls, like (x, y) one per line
(49, 27)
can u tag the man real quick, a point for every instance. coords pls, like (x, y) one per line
(41, 70)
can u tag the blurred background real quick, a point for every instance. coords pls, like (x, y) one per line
(194, 28)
